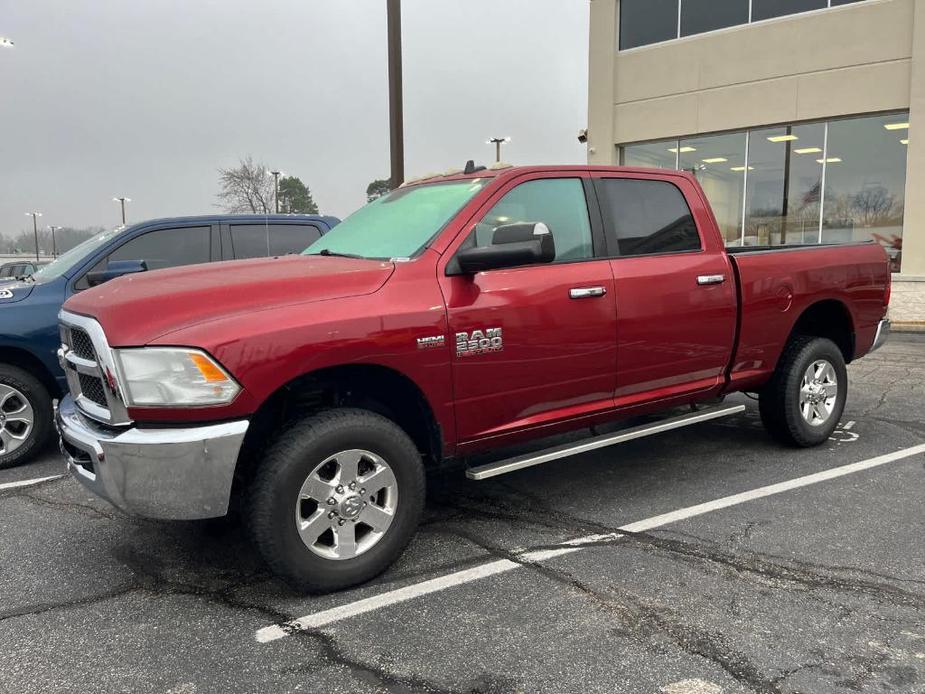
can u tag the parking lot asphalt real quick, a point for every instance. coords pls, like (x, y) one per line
(813, 586)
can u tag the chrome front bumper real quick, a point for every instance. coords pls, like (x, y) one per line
(883, 332)
(180, 474)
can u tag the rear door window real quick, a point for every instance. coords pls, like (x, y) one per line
(249, 241)
(645, 217)
(292, 238)
(261, 240)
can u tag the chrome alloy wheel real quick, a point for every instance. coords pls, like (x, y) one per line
(818, 392)
(346, 504)
(17, 419)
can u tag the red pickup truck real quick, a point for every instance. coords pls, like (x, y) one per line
(458, 315)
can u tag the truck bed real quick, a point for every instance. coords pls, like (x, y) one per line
(777, 285)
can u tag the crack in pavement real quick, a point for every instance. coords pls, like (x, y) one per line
(764, 566)
(82, 509)
(148, 580)
(648, 620)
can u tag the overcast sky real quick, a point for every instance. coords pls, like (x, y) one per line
(147, 98)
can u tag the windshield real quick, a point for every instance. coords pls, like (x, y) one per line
(400, 224)
(66, 261)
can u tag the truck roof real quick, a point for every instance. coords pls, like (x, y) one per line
(509, 171)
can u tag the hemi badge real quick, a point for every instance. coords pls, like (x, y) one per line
(431, 342)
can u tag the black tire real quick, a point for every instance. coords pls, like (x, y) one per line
(39, 399)
(299, 449)
(779, 401)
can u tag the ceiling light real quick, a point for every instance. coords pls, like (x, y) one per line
(904, 142)
(808, 150)
(830, 160)
(783, 138)
(683, 150)
(715, 160)
(741, 168)
(896, 126)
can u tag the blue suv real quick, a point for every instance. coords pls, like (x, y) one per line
(30, 377)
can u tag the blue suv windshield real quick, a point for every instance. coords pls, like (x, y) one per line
(66, 261)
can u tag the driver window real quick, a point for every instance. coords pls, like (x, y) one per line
(163, 248)
(559, 203)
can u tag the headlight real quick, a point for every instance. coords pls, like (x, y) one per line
(172, 377)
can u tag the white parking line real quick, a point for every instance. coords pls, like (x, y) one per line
(28, 483)
(399, 595)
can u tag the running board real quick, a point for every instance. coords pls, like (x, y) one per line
(501, 467)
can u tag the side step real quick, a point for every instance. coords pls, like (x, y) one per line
(501, 467)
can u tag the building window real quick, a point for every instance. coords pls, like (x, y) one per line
(698, 16)
(647, 21)
(784, 185)
(718, 162)
(767, 9)
(643, 22)
(652, 155)
(865, 182)
(832, 182)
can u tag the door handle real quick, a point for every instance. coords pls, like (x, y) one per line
(710, 279)
(586, 292)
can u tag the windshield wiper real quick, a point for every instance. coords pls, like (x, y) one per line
(329, 252)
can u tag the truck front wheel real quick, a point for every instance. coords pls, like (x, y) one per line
(336, 499)
(804, 400)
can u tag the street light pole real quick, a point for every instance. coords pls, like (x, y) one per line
(396, 111)
(54, 244)
(275, 175)
(35, 230)
(122, 200)
(497, 142)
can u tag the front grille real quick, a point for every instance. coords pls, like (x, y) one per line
(82, 344)
(89, 366)
(91, 387)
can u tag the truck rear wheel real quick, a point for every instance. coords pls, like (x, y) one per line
(804, 400)
(25, 416)
(336, 499)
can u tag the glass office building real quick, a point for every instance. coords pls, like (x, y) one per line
(796, 116)
(820, 182)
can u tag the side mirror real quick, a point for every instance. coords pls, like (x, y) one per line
(116, 268)
(513, 245)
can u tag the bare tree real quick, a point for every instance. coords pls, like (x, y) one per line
(246, 188)
(875, 206)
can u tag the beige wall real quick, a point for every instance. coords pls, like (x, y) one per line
(854, 59)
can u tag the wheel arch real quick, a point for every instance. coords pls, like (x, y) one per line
(374, 387)
(26, 360)
(828, 318)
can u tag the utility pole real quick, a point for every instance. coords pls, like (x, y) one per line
(276, 175)
(122, 200)
(396, 115)
(497, 142)
(54, 244)
(35, 230)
